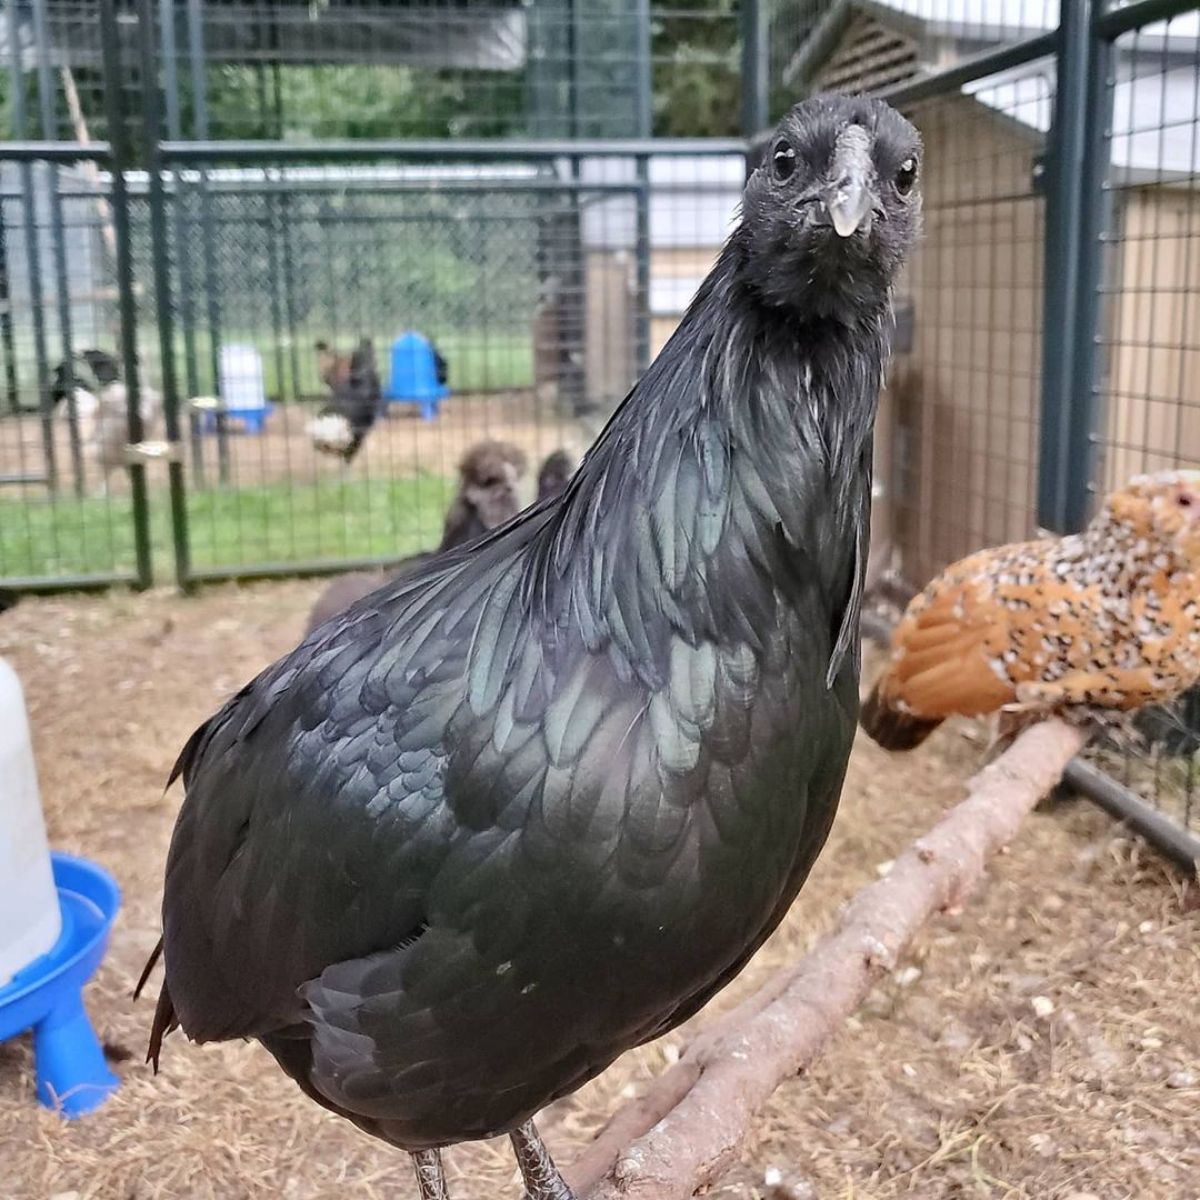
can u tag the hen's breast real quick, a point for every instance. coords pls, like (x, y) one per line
(612, 866)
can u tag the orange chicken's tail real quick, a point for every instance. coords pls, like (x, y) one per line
(892, 727)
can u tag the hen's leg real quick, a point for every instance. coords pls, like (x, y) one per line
(431, 1179)
(542, 1180)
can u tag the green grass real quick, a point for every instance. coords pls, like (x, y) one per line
(480, 360)
(243, 527)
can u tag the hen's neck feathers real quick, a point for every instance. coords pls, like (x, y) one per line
(736, 473)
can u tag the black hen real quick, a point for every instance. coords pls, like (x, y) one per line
(535, 803)
(341, 426)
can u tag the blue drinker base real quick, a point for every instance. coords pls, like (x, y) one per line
(47, 996)
(252, 421)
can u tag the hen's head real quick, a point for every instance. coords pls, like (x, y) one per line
(1161, 511)
(489, 473)
(833, 210)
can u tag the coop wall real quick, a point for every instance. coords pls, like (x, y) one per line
(675, 274)
(1152, 416)
(609, 357)
(957, 442)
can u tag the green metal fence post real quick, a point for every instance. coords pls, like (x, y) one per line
(645, 128)
(1061, 436)
(46, 97)
(7, 338)
(169, 43)
(1075, 212)
(32, 250)
(199, 79)
(118, 138)
(160, 254)
(755, 70)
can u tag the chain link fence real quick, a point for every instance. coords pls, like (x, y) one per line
(536, 190)
(1049, 341)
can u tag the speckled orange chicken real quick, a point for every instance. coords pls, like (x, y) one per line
(1107, 619)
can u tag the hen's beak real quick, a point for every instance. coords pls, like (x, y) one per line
(849, 197)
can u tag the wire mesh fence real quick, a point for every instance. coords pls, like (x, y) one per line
(965, 448)
(535, 190)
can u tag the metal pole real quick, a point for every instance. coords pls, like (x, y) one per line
(6, 322)
(273, 269)
(170, 62)
(1177, 843)
(755, 69)
(32, 254)
(279, 214)
(199, 77)
(1067, 216)
(645, 123)
(58, 238)
(289, 287)
(118, 135)
(1095, 208)
(160, 251)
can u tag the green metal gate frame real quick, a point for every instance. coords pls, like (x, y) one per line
(112, 156)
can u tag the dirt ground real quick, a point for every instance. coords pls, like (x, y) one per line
(1042, 1044)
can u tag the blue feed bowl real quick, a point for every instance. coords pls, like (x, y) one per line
(47, 996)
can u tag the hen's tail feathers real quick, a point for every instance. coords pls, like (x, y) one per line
(164, 1011)
(892, 728)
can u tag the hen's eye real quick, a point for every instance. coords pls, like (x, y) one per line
(1184, 500)
(783, 161)
(906, 176)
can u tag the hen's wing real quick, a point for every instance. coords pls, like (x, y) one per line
(951, 650)
(338, 745)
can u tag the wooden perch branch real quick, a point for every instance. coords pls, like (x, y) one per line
(687, 1127)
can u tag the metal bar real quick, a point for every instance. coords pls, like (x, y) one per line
(755, 71)
(22, 150)
(170, 64)
(433, 187)
(283, 215)
(643, 60)
(977, 66)
(1114, 22)
(168, 35)
(58, 239)
(6, 322)
(32, 249)
(1095, 211)
(642, 258)
(433, 149)
(118, 135)
(276, 304)
(1064, 241)
(48, 584)
(200, 130)
(1171, 839)
(290, 570)
(160, 254)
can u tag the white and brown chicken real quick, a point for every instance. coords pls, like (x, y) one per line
(1097, 623)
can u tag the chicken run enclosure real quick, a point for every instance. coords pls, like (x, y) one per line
(206, 189)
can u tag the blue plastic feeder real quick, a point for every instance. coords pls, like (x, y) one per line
(47, 996)
(414, 375)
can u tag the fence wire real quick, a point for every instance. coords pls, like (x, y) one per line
(546, 279)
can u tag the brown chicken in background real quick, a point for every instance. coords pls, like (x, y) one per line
(488, 477)
(332, 367)
(1100, 621)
